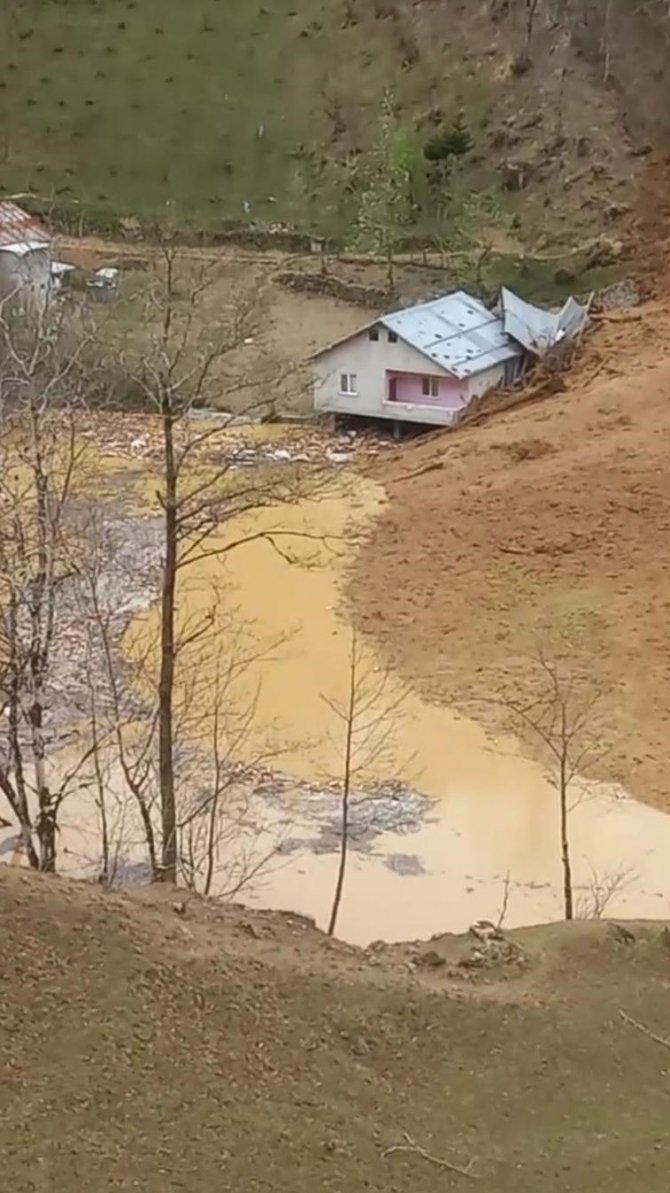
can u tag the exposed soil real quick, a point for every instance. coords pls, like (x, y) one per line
(553, 514)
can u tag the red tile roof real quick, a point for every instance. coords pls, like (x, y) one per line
(16, 226)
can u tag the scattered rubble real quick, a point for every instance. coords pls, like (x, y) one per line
(386, 808)
(490, 948)
(480, 950)
(127, 559)
(618, 296)
(406, 864)
(241, 445)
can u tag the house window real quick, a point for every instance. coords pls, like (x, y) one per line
(430, 387)
(393, 339)
(348, 384)
(373, 333)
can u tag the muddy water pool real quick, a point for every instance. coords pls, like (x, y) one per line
(464, 819)
(448, 826)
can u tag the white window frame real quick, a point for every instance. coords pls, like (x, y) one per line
(430, 386)
(348, 385)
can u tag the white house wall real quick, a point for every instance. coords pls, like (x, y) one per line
(369, 360)
(25, 278)
(488, 379)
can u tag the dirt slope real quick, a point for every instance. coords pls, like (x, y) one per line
(220, 1050)
(554, 514)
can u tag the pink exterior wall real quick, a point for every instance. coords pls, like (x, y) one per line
(451, 395)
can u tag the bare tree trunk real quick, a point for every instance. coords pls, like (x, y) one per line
(568, 909)
(105, 868)
(344, 839)
(41, 605)
(131, 773)
(390, 268)
(606, 44)
(346, 791)
(211, 844)
(46, 834)
(16, 792)
(531, 8)
(168, 871)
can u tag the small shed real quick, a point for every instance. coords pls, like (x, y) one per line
(25, 260)
(423, 364)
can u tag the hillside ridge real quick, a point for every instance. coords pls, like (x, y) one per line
(266, 114)
(145, 1045)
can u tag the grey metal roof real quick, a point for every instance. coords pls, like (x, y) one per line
(457, 332)
(536, 329)
(18, 228)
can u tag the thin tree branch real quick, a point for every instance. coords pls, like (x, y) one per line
(411, 1146)
(646, 1031)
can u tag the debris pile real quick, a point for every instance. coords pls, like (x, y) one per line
(385, 808)
(139, 436)
(489, 948)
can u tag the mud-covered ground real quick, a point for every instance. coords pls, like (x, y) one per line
(551, 518)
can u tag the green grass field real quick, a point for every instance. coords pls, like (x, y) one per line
(138, 106)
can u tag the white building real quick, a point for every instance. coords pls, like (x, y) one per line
(424, 364)
(25, 260)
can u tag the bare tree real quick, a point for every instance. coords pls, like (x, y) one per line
(122, 721)
(220, 839)
(133, 735)
(504, 902)
(602, 890)
(559, 707)
(219, 846)
(42, 387)
(183, 366)
(367, 717)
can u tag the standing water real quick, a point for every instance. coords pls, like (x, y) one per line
(455, 826)
(487, 831)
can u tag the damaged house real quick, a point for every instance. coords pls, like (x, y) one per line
(25, 260)
(425, 364)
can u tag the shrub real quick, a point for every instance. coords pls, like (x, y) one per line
(456, 142)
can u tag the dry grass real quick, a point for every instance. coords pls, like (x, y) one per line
(219, 1050)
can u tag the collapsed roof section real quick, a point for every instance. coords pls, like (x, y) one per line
(463, 337)
(537, 330)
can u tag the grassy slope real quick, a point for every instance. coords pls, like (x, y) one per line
(140, 101)
(215, 1051)
(125, 106)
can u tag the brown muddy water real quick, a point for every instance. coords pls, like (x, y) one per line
(490, 820)
(458, 824)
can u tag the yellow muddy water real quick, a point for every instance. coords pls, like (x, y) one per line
(493, 819)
